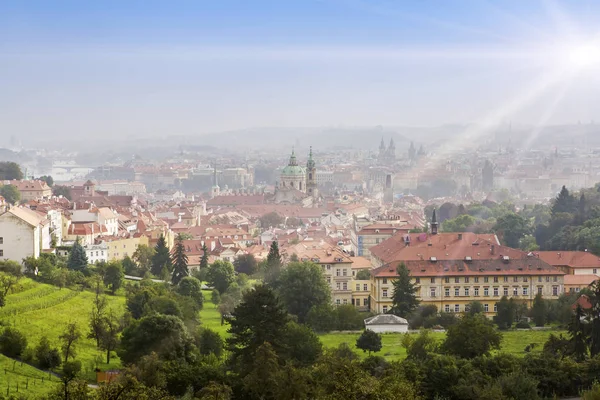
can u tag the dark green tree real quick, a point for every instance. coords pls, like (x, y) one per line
(70, 371)
(220, 275)
(302, 345)
(262, 381)
(109, 339)
(161, 258)
(10, 193)
(78, 260)
(564, 202)
(69, 339)
(512, 228)
(578, 334)
(274, 263)
(369, 341)
(302, 286)
(210, 342)
(259, 318)
(475, 307)
(594, 319)
(363, 274)
(179, 261)
(10, 171)
(114, 276)
(539, 310)
(245, 264)
(192, 288)
(165, 335)
(143, 256)
(404, 297)
(46, 356)
(130, 266)
(97, 316)
(505, 315)
(482, 335)
(60, 190)
(12, 342)
(48, 179)
(204, 258)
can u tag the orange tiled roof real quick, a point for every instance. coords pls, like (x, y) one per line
(573, 259)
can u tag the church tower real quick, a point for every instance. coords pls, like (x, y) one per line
(215, 189)
(311, 176)
(391, 151)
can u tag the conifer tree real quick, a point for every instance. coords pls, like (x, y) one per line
(78, 260)
(274, 263)
(539, 310)
(564, 202)
(577, 331)
(161, 258)
(179, 261)
(204, 259)
(404, 298)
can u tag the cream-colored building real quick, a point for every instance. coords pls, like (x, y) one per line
(23, 233)
(31, 189)
(119, 248)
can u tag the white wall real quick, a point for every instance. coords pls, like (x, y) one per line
(586, 271)
(20, 240)
(388, 328)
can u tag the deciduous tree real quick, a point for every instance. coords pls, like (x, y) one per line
(114, 276)
(369, 341)
(482, 337)
(10, 193)
(220, 275)
(192, 288)
(69, 339)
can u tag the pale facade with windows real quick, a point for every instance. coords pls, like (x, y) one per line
(23, 233)
(452, 285)
(96, 252)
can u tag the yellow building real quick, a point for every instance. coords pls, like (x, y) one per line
(119, 248)
(452, 284)
(361, 291)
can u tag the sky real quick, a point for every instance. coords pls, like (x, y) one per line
(154, 68)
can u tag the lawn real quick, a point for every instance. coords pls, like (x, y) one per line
(513, 342)
(210, 317)
(17, 378)
(43, 310)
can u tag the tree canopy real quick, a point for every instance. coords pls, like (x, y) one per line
(404, 297)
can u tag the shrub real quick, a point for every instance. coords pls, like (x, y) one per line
(12, 343)
(523, 325)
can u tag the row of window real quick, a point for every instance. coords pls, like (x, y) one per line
(340, 302)
(486, 291)
(486, 308)
(365, 287)
(486, 279)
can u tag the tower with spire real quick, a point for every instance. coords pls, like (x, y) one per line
(382, 150)
(434, 224)
(311, 176)
(215, 189)
(391, 151)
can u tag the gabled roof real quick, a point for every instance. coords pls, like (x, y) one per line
(27, 215)
(573, 259)
(580, 279)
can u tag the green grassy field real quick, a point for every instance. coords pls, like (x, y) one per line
(43, 310)
(210, 317)
(23, 379)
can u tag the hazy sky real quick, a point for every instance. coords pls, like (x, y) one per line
(181, 67)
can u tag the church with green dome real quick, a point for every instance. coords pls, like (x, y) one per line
(297, 183)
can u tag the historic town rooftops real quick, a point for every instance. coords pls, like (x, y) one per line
(236, 200)
(361, 263)
(29, 216)
(318, 252)
(573, 259)
(490, 267)
(449, 246)
(29, 185)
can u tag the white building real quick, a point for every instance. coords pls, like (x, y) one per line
(96, 252)
(104, 216)
(23, 233)
(384, 323)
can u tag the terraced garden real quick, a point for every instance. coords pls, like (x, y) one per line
(43, 310)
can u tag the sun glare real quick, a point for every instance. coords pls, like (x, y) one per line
(585, 56)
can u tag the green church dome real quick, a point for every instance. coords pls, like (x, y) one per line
(293, 170)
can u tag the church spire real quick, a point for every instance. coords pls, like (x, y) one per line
(293, 161)
(434, 223)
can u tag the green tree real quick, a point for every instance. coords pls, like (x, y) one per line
(204, 258)
(165, 335)
(48, 179)
(130, 266)
(481, 333)
(10, 171)
(475, 307)
(12, 342)
(539, 310)
(512, 228)
(143, 256)
(259, 318)
(271, 219)
(322, 319)
(594, 319)
(274, 263)
(78, 260)
(263, 380)
(161, 259)
(97, 315)
(192, 288)
(10, 193)
(564, 202)
(404, 297)
(47, 357)
(363, 275)
(70, 371)
(60, 190)
(302, 345)
(210, 342)
(348, 318)
(114, 276)
(179, 261)
(369, 341)
(69, 339)
(302, 286)
(578, 334)
(245, 264)
(215, 297)
(505, 315)
(109, 339)
(220, 275)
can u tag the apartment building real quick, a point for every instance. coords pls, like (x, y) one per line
(452, 284)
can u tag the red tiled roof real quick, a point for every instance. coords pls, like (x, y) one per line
(580, 279)
(239, 200)
(573, 259)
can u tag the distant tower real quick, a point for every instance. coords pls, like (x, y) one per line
(381, 150)
(487, 176)
(412, 152)
(215, 189)
(311, 176)
(434, 224)
(391, 151)
(89, 188)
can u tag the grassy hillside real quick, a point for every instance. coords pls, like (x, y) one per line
(22, 379)
(44, 310)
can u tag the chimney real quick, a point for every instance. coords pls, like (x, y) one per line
(493, 249)
(460, 236)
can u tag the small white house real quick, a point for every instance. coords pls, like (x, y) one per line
(385, 323)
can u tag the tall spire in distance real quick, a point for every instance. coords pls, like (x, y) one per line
(434, 223)
(293, 161)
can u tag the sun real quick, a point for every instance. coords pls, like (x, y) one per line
(584, 56)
